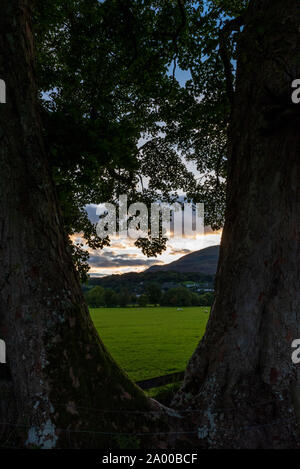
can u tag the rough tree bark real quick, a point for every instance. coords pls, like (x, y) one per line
(241, 376)
(58, 376)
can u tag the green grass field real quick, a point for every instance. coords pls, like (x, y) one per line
(149, 342)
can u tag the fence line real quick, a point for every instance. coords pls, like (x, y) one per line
(161, 380)
(130, 434)
(201, 432)
(164, 411)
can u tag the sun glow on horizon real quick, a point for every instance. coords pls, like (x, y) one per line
(122, 256)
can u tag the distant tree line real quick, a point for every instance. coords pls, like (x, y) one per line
(135, 282)
(153, 295)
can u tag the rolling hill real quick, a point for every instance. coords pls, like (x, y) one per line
(198, 266)
(204, 261)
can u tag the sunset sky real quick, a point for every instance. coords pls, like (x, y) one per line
(122, 256)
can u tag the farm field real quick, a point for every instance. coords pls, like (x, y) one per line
(151, 341)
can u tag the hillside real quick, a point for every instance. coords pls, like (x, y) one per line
(204, 261)
(199, 266)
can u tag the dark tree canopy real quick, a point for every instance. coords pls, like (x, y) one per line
(115, 114)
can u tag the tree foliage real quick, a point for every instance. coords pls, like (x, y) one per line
(117, 119)
(153, 292)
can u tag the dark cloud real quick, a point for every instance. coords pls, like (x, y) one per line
(120, 260)
(174, 251)
(114, 254)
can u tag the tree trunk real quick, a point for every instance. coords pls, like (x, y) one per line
(60, 387)
(241, 377)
